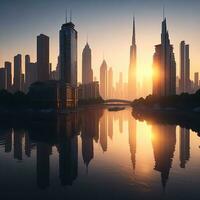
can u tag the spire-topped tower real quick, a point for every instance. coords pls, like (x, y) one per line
(133, 36)
(132, 66)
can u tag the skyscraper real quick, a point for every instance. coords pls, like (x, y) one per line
(43, 57)
(8, 67)
(3, 81)
(87, 72)
(103, 80)
(68, 53)
(110, 83)
(164, 66)
(17, 72)
(132, 66)
(185, 83)
(196, 80)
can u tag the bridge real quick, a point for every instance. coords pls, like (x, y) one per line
(117, 102)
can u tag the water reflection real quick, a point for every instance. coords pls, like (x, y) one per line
(83, 134)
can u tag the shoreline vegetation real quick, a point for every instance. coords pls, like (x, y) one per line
(183, 110)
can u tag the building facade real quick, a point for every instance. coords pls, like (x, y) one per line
(17, 72)
(103, 80)
(8, 67)
(42, 57)
(68, 54)
(87, 72)
(185, 83)
(164, 66)
(132, 82)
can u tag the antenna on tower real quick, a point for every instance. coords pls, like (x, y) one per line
(70, 15)
(87, 38)
(163, 12)
(66, 15)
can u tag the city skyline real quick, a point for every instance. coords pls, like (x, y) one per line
(146, 38)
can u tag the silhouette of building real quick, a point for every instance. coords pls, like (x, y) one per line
(132, 87)
(89, 91)
(164, 66)
(196, 81)
(103, 132)
(17, 72)
(110, 83)
(27, 145)
(163, 142)
(8, 67)
(132, 140)
(8, 140)
(184, 146)
(42, 57)
(103, 80)
(22, 82)
(185, 83)
(43, 164)
(3, 79)
(18, 136)
(110, 125)
(87, 72)
(68, 54)
(68, 160)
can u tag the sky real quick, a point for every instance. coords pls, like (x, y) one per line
(108, 24)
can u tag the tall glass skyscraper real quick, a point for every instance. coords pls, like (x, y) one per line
(68, 54)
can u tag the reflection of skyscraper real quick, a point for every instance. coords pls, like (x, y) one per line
(163, 141)
(103, 80)
(132, 140)
(132, 66)
(18, 135)
(164, 66)
(8, 142)
(68, 54)
(103, 131)
(43, 169)
(87, 73)
(184, 146)
(27, 145)
(110, 125)
(68, 160)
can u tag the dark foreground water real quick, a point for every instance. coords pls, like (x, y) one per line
(97, 154)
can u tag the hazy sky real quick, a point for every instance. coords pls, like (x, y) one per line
(108, 24)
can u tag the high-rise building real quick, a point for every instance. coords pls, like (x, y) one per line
(110, 83)
(8, 67)
(27, 62)
(164, 66)
(3, 81)
(103, 80)
(196, 80)
(43, 57)
(87, 72)
(132, 67)
(17, 72)
(185, 83)
(68, 54)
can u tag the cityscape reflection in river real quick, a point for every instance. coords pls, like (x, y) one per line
(95, 150)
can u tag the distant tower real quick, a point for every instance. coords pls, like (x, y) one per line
(8, 67)
(87, 73)
(103, 80)
(68, 53)
(110, 83)
(27, 62)
(17, 72)
(43, 57)
(132, 66)
(164, 66)
(185, 83)
(3, 80)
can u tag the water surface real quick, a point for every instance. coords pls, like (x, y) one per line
(96, 154)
